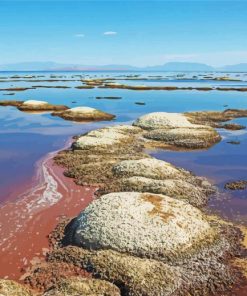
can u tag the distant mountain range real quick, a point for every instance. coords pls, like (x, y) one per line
(172, 66)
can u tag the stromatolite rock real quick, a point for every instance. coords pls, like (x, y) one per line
(142, 224)
(84, 114)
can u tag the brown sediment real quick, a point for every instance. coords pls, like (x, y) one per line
(15, 89)
(26, 222)
(11, 103)
(50, 86)
(85, 87)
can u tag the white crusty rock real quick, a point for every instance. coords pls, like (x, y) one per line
(84, 114)
(142, 224)
(179, 189)
(149, 168)
(34, 103)
(105, 137)
(157, 120)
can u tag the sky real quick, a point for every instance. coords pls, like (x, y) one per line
(139, 33)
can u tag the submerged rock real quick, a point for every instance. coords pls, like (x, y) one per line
(12, 288)
(84, 114)
(142, 224)
(82, 286)
(236, 185)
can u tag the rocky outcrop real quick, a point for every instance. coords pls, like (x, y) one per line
(112, 158)
(12, 288)
(84, 114)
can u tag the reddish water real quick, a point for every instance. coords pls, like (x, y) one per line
(26, 222)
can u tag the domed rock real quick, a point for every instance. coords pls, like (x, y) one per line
(179, 189)
(105, 137)
(149, 168)
(185, 137)
(34, 105)
(157, 120)
(142, 224)
(12, 288)
(83, 286)
(84, 114)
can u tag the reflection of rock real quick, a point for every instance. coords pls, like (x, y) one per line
(84, 114)
(236, 185)
(81, 286)
(142, 224)
(12, 288)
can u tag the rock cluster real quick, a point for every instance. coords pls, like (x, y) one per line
(145, 233)
(80, 114)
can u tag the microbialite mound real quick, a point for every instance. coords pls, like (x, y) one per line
(84, 114)
(33, 106)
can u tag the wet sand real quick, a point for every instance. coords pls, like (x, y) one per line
(26, 222)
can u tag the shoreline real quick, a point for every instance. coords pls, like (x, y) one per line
(35, 213)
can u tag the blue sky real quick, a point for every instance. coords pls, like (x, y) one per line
(123, 32)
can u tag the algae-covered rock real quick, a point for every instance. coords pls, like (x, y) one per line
(84, 114)
(12, 288)
(83, 286)
(142, 224)
(185, 137)
(136, 276)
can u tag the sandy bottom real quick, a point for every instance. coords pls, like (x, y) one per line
(26, 222)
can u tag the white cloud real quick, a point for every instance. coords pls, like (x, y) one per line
(110, 33)
(79, 35)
